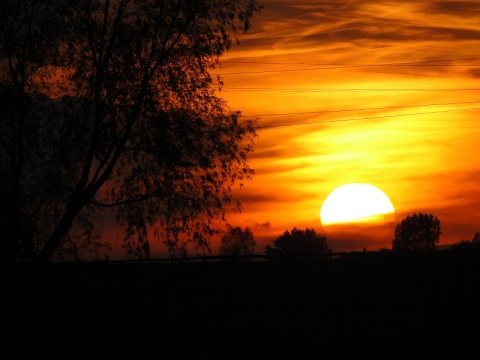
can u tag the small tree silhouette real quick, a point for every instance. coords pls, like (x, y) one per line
(238, 242)
(417, 232)
(300, 244)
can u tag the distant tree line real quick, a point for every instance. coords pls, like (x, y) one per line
(294, 244)
(473, 244)
(417, 232)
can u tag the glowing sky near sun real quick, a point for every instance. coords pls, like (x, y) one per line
(379, 92)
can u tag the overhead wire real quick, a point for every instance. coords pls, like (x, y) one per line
(327, 66)
(258, 89)
(354, 65)
(365, 118)
(363, 109)
(344, 66)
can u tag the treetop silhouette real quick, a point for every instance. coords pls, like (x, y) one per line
(237, 242)
(417, 232)
(299, 244)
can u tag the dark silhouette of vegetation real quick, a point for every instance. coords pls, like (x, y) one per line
(473, 244)
(417, 232)
(109, 105)
(237, 242)
(299, 244)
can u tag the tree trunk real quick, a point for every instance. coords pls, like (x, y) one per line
(15, 231)
(60, 231)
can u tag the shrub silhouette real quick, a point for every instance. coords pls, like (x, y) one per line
(299, 244)
(238, 242)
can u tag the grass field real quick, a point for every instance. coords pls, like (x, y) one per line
(382, 307)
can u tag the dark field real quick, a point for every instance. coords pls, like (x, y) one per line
(374, 307)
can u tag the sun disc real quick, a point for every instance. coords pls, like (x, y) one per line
(355, 203)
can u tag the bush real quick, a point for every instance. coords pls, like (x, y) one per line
(299, 244)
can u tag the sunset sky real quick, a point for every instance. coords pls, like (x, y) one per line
(378, 92)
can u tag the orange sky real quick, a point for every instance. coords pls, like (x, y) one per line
(379, 100)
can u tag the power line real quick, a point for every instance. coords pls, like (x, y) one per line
(304, 69)
(364, 109)
(343, 66)
(426, 62)
(366, 118)
(258, 89)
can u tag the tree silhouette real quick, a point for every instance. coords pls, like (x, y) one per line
(417, 232)
(300, 244)
(109, 105)
(237, 242)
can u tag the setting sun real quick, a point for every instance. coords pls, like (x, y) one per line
(355, 203)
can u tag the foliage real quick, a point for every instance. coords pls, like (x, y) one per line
(417, 232)
(110, 104)
(473, 244)
(300, 244)
(238, 242)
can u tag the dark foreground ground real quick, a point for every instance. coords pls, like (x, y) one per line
(410, 307)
